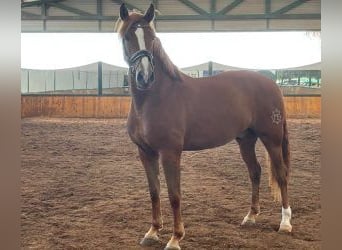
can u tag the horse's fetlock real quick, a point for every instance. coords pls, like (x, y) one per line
(154, 197)
(255, 209)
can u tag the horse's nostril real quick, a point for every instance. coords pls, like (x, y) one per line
(152, 77)
(144, 80)
(140, 77)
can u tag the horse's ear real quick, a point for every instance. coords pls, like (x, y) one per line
(149, 14)
(123, 12)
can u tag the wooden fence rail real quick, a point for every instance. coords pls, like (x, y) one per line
(118, 106)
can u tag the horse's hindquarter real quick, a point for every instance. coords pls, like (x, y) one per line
(221, 107)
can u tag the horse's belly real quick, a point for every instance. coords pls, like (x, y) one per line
(205, 141)
(212, 133)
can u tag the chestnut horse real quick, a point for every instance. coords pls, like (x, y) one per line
(172, 112)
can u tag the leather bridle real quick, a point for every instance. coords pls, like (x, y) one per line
(135, 58)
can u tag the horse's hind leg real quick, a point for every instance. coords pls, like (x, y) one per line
(279, 175)
(247, 149)
(150, 163)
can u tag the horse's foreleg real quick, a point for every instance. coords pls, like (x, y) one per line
(150, 163)
(171, 165)
(247, 149)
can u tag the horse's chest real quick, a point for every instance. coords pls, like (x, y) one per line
(138, 131)
(135, 130)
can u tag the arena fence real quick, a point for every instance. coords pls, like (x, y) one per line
(118, 106)
(103, 79)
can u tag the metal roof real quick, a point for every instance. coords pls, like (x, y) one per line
(173, 15)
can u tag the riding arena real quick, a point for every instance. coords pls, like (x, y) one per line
(165, 160)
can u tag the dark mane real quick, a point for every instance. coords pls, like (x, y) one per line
(166, 64)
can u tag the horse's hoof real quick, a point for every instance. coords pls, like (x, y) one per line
(286, 228)
(172, 248)
(149, 241)
(173, 244)
(248, 221)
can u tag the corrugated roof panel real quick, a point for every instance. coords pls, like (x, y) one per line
(107, 26)
(277, 5)
(205, 5)
(33, 10)
(109, 8)
(65, 26)
(175, 10)
(141, 5)
(249, 7)
(220, 4)
(55, 11)
(32, 26)
(313, 6)
(87, 6)
(180, 26)
(248, 25)
(169, 7)
(294, 24)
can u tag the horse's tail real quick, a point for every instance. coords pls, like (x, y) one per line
(286, 148)
(280, 173)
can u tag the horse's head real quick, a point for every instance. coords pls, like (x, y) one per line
(137, 33)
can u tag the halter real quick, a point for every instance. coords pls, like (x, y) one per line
(136, 56)
(132, 61)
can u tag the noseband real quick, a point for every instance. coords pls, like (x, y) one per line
(137, 56)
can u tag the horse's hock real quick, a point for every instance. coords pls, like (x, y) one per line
(118, 106)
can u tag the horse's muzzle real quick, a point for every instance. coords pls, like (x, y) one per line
(144, 80)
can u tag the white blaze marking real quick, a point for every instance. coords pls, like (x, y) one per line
(141, 41)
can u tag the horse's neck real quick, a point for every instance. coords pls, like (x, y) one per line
(144, 99)
(166, 75)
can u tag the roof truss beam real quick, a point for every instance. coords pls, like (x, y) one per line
(37, 3)
(241, 17)
(213, 14)
(130, 6)
(229, 7)
(70, 9)
(289, 7)
(182, 17)
(194, 7)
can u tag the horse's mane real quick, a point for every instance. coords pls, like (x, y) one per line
(166, 64)
(164, 61)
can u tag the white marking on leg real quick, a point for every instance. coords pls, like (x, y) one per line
(142, 46)
(173, 244)
(152, 234)
(249, 218)
(285, 224)
(150, 237)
